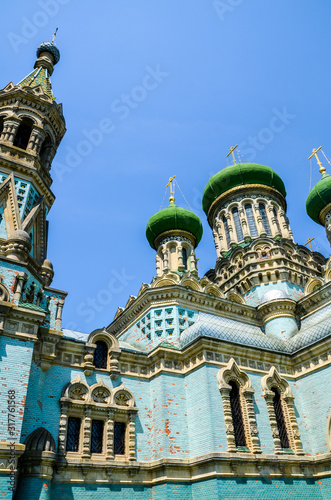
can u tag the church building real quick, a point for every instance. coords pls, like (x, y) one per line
(202, 387)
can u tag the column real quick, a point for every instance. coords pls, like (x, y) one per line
(132, 436)
(87, 433)
(284, 224)
(10, 126)
(63, 429)
(110, 436)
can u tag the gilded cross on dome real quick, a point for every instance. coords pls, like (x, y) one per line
(232, 152)
(314, 153)
(171, 180)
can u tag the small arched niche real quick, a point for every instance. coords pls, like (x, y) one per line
(45, 150)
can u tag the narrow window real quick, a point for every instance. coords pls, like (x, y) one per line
(100, 354)
(274, 211)
(73, 432)
(97, 436)
(237, 224)
(251, 221)
(237, 418)
(45, 151)
(184, 256)
(265, 220)
(119, 438)
(1, 125)
(23, 134)
(284, 442)
(226, 229)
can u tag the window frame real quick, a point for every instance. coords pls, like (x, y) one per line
(227, 374)
(274, 380)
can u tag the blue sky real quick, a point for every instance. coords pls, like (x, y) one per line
(154, 88)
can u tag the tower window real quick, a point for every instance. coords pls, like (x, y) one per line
(100, 354)
(265, 220)
(237, 224)
(119, 438)
(237, 418)
(284, 441)
(23, 134)
(251, 220)
(97, 436)
(274, 211)
(45, 151)
(1, 124)
(73, 433)
(184, 256)
(226, 229)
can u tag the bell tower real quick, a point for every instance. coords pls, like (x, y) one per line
(31, 126)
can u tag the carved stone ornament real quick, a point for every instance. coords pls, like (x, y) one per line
(227, 374)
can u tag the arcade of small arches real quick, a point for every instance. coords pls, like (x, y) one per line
(176, 253)
(25, 133)
(244, 220)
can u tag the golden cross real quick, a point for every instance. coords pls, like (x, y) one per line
(54, 36)
(171, 198)
(309, 240)
(315, 151)
(231, 152)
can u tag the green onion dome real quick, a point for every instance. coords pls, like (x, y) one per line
(319, 198)
(173, 218)
(240, 174)
(51, 48)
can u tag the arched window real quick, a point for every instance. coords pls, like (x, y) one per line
(45, 151)
(265, 220)
(280, 404)
(73, 434)
(97, 436)
(119, 438)
(184, 256)
(226, 230)
(100, 354)
(238, 407)
(284, 442)
(275, 214)
(23, 134)
(237, 418)
(237, 224)
(1, 124)
(251, 220)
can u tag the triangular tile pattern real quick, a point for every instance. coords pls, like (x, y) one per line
(38, 77)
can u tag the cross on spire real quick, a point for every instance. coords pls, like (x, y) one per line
(54, 36)
(309, 240)
(232, 152)
(314, 153)
(171, 180)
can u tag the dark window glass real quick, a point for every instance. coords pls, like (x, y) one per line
(100, 354)
(251, 220)
(226, 229)
(265, 220)
(1, 125)
(45, 151)
(97, 436)
(184, 255)
(237, 224)
(23, 134)
(237, 418)
(119, 438)
(274, 210)
(74, 424)
(280, 419)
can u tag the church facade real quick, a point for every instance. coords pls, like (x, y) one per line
(208, 387)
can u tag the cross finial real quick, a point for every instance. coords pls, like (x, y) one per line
(231, 152)
(54, 36)
(171, 198)
(314, 153)
(309, 240)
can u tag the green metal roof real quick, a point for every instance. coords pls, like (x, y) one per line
(172, 218)
(240, 174)
(319, 197)
(38, 76)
